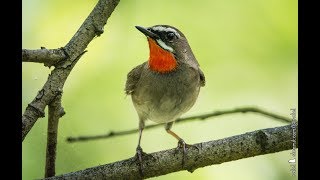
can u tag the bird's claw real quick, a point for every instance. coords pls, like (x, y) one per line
(184, 146)
(138, 157)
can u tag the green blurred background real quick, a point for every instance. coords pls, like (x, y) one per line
(246, 48)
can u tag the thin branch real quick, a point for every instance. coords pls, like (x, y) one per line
(91, 27)
(246, 145)
(48, 57)
(191, 118)
(55, 112)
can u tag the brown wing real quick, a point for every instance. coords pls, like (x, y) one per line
(202, 78)
(133, 78)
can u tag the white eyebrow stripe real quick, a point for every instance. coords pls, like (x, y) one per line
(164, 46)
(166, 29)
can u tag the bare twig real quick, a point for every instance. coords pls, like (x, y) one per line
(48, 57)
(55, 112)
(246, 145)
(191, 118)
(91, 27)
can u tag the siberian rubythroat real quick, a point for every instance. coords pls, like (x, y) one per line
(168, 84)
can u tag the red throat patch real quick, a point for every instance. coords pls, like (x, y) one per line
(160, 60)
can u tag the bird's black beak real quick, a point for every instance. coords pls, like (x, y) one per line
(147, 32)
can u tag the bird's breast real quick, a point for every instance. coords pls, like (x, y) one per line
(164, 97)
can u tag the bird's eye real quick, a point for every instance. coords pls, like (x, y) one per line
(170, 36)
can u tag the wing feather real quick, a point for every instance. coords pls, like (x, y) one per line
(133, 78)
(202, 78)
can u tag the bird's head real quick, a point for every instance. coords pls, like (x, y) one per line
(167, 47)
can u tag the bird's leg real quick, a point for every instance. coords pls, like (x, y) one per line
(139, 151)
(181, 143)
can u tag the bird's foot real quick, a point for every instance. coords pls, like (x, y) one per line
(182, 145)
(138, 159)
(140, 156)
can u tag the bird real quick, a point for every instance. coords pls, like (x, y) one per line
(167, 85)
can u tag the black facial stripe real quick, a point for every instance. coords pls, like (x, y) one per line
(162, 34)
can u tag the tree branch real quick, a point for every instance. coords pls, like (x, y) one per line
(55, 112)
(91, 27)
(191, 118)
(246, 145)
(48, 57)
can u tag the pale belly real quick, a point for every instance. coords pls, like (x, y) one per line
(163, 99)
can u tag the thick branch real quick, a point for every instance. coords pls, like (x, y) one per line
(55, 112)
(48, 57)
(246, 145)
(191, 118)
(91, 27)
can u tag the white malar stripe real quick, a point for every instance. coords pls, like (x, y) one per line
(164, 46)
(166, 29)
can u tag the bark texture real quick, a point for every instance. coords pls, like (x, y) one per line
(246, 145)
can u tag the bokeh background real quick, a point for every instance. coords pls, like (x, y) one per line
(246, 48)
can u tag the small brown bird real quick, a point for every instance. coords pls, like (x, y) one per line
(168, 84)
